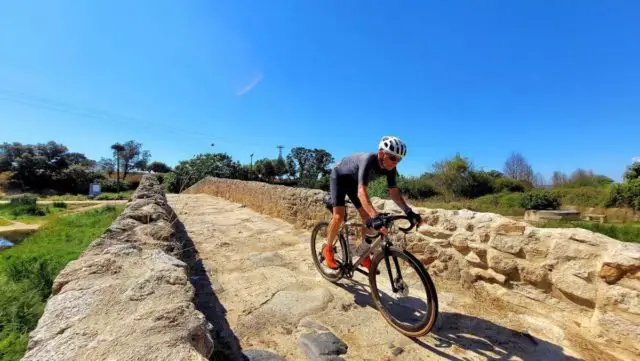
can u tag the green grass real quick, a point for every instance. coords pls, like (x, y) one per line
(27, 213)
(626, 232)
(27, 272)
(81, 197)
(4, 222)
(583, 196)
(507, 204)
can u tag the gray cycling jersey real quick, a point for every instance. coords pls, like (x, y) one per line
(361, 168)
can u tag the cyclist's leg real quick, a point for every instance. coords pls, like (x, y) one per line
(337, 192)
(353, 196)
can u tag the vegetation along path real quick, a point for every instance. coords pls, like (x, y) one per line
(261, 272)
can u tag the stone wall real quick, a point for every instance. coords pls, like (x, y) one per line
(128, 296)
(582, 282)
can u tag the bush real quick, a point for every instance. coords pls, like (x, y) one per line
(626, 194)
(378, 188)
(582, 196)
(539, 200)
(111, 185)
(58, 204)
(503, 201)
(414, 187)
(24, 200)
(505, 184)
(108, 196)
(25, 205)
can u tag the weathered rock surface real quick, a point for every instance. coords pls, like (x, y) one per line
(322, 346)
(570, 276)
(125, 298)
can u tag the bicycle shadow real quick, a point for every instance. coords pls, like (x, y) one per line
(226, 345)
(480, 336)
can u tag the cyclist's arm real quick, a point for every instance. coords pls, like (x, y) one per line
(394, 191)
(396, 195)
(366, 202)
(363, 182)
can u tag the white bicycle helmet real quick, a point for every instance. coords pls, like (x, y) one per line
(393, 145)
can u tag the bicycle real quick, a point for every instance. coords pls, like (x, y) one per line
(398, 286)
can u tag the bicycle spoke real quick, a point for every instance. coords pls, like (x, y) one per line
(403, 297)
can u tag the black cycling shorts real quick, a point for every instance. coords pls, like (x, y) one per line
(339, 188)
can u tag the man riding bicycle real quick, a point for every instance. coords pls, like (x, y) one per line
(351, 176)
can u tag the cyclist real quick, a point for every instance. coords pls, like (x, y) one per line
(351, 176)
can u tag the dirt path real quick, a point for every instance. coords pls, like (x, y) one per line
(262, 274)
(118, 201)
(16, 226)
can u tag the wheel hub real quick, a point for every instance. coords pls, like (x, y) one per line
(401, 286)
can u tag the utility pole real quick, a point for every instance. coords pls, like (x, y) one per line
(280, 151)
(251, 166)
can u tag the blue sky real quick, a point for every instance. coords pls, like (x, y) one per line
(554, 80)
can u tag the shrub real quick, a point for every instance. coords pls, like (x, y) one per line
(24, 200)
(501, 201)
(539, 200)
(626, 194)
(58, 204)
(505, 184)
(25, 206)
(414, 187)
(111, 185)
(378, 188)
(582, 196)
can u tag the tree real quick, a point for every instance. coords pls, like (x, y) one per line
(632, 172)
(539, 180)
(280, 167)
(188, 172)
(291, 166)
(310, 165)
(304, 158)
(159, 167)
(132, 155)
(79, 159)
(517, 167)
(321, 161)
(456, 177)
(9, 152)
(265, 169)
(117, 151)
(586, 178)
(558, 179)
(46, 165)
(54, 156)
(106, 165)
(142, 164)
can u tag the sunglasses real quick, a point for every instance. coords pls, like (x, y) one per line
(393, 158)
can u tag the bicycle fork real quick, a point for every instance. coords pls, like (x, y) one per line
(394, 281)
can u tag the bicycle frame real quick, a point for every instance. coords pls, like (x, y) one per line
(353, 266)
(350, 266)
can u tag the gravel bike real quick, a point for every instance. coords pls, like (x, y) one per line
(417, 317)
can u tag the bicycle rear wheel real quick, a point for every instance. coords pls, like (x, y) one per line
(318, 241)
(415, 300)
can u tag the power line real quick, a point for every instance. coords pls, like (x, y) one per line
(35, 101)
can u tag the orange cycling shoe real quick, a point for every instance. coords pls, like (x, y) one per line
(327, 254)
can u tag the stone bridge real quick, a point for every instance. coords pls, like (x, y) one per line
(223, 272)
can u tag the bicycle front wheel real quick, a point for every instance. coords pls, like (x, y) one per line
(318, 242)
(403, 292)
